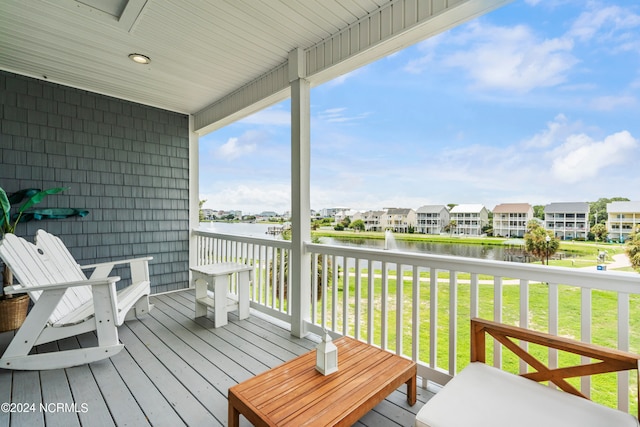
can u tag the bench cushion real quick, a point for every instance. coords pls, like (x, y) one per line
(481, 395)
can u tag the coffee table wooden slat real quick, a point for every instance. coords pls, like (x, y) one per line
(295, 394)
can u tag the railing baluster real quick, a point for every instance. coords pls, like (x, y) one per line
(383, 307)
(345, 297)
(370, 301)
(497, 316)
(357, 296)
(453, 321)
(475, 297)
(585, 335)
(399, 304)
(433, 318)
(314, 288)
(524, 318)
(334, 294)
(325, 289)
(553, 323)
(415, 315)
(274, 275)
(623, 344)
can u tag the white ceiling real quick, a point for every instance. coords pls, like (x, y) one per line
(204, 50)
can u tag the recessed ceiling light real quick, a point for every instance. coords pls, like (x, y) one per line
(139, 58)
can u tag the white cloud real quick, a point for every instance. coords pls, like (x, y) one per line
(344, 77)
(233, 148)
(240, 146)
(513, 58)
(252, 197)
(337, 115)
(557, 130)
(427, 49)
(606, 24)
(493, 57)
(274, 116)
(580, 157)
(609, 103)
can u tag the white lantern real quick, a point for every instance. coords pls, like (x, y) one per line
(326, 356)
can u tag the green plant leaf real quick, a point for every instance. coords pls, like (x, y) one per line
(19, 196)
(37, 197)
(6, 207)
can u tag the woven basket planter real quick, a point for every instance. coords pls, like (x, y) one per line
(13, 311)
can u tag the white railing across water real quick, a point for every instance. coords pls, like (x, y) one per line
(419, 305)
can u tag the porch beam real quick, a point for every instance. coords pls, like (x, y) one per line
(300, 260)
(388, 29)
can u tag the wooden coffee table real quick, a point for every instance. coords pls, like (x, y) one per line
(296, 394)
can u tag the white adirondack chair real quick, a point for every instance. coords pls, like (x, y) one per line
(67, 303)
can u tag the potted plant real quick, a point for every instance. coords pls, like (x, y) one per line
(13, 310)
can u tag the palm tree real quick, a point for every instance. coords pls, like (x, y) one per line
(453, 224)
(539, 242)
(632, 249)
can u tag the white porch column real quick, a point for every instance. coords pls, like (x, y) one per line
(194, 191)
(300, 262)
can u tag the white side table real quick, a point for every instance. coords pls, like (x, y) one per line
(217, 277)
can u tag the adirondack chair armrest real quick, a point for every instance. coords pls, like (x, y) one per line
(114, 263)
(139, 268)
(18, 289)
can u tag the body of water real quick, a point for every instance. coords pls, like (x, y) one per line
(457, 249)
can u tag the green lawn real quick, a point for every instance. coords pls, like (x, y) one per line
(604, 308)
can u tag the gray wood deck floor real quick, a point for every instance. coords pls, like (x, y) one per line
(174, 370)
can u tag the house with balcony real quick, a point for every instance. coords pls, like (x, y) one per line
(431, 219)
(110, 99)
(510, 219)
(372, 220)
(567, 220)
(623, 218)
(398, 220)
(469, 219)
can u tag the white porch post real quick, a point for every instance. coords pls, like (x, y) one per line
(300, 262)
(194, 192)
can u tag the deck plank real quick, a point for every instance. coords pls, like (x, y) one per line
(122, 406)
(153, 403)
(85, 390)
(155, 358)
(174, 370)
(26, 391)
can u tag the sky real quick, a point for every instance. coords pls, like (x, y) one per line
(536, 102)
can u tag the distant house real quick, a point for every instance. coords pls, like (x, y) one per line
(398, 219)
(623, 218)
(346, 213)
(431, 219)
(510, 219)
(568, 220)
(371, 220)
(469, 219)
(331, 212)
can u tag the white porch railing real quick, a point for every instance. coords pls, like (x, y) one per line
(419, 305)
(270, 287)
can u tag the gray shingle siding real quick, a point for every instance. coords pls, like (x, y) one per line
(124, 162)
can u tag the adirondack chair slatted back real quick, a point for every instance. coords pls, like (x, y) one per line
(45, 263)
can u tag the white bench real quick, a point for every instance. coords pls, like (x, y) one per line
(217, 277)
(481, 395)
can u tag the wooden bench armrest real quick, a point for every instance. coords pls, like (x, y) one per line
(607, 359)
